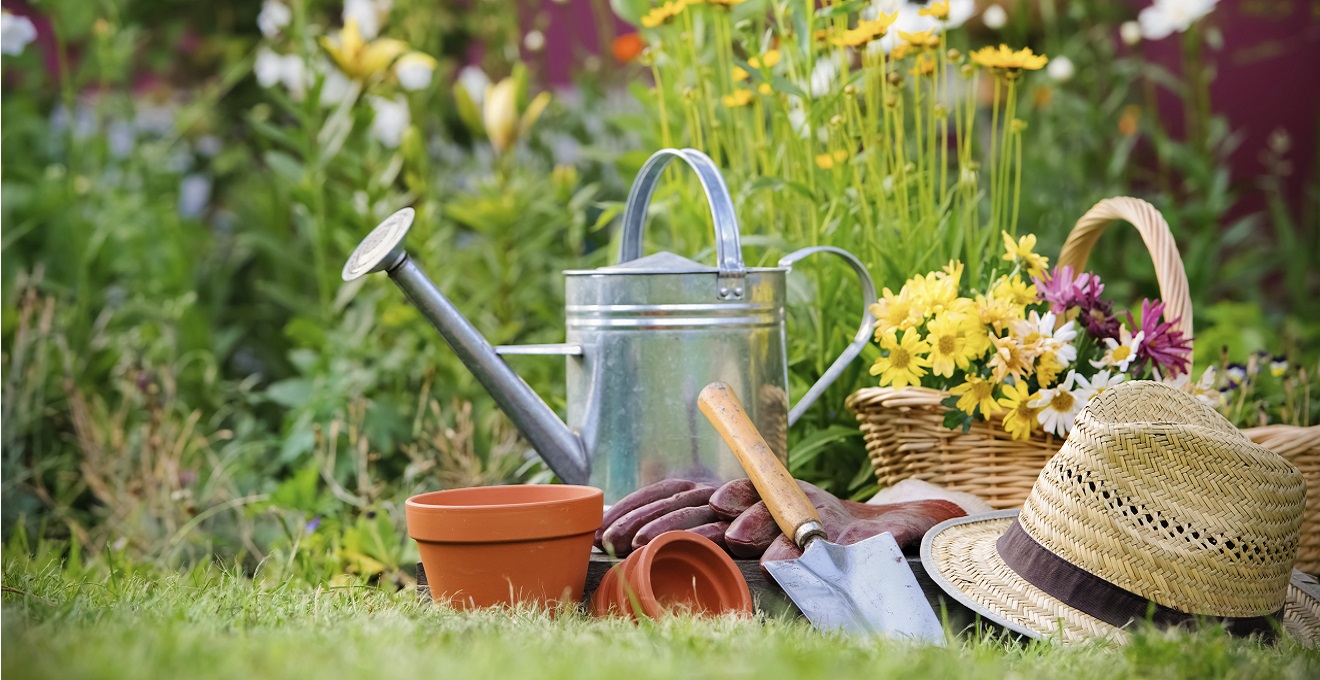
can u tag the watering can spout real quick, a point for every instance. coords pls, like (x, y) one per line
(383, 250)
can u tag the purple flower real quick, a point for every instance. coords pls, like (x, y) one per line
(312, 524)
(1164, 345)
(1065, 290)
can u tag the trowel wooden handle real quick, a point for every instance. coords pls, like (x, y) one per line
(792, 510)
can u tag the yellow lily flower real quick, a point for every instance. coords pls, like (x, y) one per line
(359, 59)
(503, 125)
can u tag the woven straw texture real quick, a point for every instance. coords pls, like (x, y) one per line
(906, 437)
(1161, 496)
(961, 556)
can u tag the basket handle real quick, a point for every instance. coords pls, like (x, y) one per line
(1159, 241)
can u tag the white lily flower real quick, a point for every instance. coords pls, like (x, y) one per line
(391, 118)
(275, 16)
(16, 33)
(336, 87)
(267, 67)
(1167, 16)
(475, 81)
(414, 71)
(370, 16)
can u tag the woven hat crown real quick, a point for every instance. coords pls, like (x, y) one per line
(1158, 494)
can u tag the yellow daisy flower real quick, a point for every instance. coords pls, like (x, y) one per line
(894, 312)
(949, 346)
(1020, 416)
(906, 362)
(1048, 368)
(1015, 291)
(924, 65)
(997, 313)
(939, 10)
(663, 14)
(1010, 359)
(1004, 59)
(1022, 253)
(976, 392)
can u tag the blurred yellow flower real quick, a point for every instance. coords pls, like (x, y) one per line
(976, 392)
(500, 116)
(764, 88)
(920, 40)
(359, 59)
(867, 31)
(739, 74)
(737, 98)
(1004, 59)
(826, 161)
(939, 10)
(770, 58)
(905, 363)
(1020, 418)
(726, 4)
(923, 66)
(1021, 253)
(664, 13)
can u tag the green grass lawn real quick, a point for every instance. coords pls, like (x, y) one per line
(208, 625)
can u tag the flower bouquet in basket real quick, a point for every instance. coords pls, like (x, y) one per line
(1024, 350)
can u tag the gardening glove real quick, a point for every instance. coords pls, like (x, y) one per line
(667, 505)
(754, 534)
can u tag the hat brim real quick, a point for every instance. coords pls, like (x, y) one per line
(961, 557)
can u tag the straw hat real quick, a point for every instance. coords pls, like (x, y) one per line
(1155, 506)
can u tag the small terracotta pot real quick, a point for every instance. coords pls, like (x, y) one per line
(677, 571)
(500, 545)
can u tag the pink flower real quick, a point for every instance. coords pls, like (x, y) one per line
(1164, 345)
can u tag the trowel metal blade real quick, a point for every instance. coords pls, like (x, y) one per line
(865, 588)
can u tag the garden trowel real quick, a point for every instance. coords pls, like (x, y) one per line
(866, 587)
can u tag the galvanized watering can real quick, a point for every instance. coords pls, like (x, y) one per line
(644, 336)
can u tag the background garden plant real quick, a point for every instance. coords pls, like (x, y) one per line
(186, 379)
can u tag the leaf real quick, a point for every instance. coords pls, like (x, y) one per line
(292, 392)
(467, 111)
(811, 445)
(631, 11)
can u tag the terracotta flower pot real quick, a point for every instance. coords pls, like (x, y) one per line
(679, 571)
(500, 545)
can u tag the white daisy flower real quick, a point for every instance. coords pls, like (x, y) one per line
(1103, 380)
(1167, 16)
(1121, 352)
(1039, 335)
(994, 17)
(1059, 405)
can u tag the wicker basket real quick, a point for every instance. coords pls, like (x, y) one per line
(906, 437)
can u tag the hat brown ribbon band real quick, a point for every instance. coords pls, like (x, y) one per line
(1093, 595)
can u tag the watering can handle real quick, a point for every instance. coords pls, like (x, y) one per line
(860, 340)
(728, 247)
